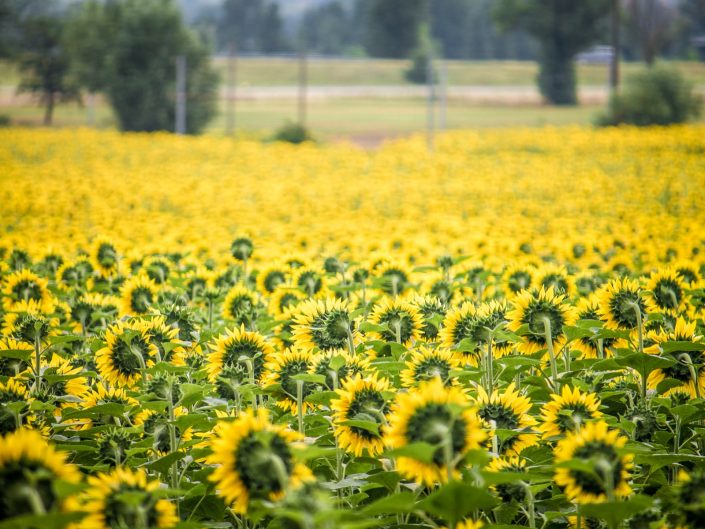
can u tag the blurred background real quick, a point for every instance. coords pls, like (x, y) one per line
(360, 70)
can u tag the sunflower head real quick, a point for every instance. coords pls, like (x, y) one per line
(509, 492)
(619, 300)
(284, 298)
(437, 415)
(128, 349)
(568, 411)
(255, 460)
(665, 292)
(427, 363)
(74, 274)
(432, 311)
(361, 399)
(240, 305)
(236, 353)
(594, 444)
(539, 311)
(30, 468)
(137, 295)
(242, 248)
(270, 278)
(557, 278)
(324, 324)
(401, 320)
(393, 278)
(338, 365)
(24, 286)
(157, 269)
(518, 277)
(310, 281)
(280, 369)
(125, 498)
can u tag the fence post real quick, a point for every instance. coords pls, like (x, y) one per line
(231, 90)
(181, 95)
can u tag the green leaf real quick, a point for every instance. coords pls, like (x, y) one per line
(369, 426)
(367, 326)
(17, 354)
(401, 503)
(55, 520)
(644, 363)
(321, 397)
(615, 512)
(112, 408)
(163, 464)
(308, 377)
(420, 451)
(672, 347)
(64, 338)
(455, 500)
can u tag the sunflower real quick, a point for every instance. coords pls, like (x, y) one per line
(27, 323)
(283, 299)
(125, 498)
(688, 272)
(509, 491)
(29, 470)
(270, 278)
(617, 301)
(665, 292)
(568, 411)
(594, 444)
(156, 425)
(556, 277)
(11, 367)
(427, 363)
(100, 394)
(338, 365)
(684, 361)
(402, 321)
(507, 411)
(240, 305)
(69, 383)
(25, 286)
(361, 399)
(692, 498)
(137, 295)
(74, 274)
(432, 310)
(90, 311)
(157, 269)
(104, 257)
(127, 351)
(518, 277)
(467, 524)
(459, 324)
(311, 281)
(536, 309)
(442, 288)
(234, 353)
(324, 324)
(393, 278)
(279, 370)
(255, 460)
(438, 415)
(166, 339)
(588, 309)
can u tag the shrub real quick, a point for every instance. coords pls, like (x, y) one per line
(657, 96)
(292, 133)
(5, 120)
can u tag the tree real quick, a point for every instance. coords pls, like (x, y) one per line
(562, 28)
(132, 59)
(44, 63)
(650, 25)
(328, 28)
(393, 27)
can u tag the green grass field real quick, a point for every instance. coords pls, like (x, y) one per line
(366, 120)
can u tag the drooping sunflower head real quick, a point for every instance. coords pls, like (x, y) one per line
(255, 460)
(432, 310)
(27, 461)
(126, 498)
(284, 299)
(324, 324)
(619, 300)
(127, 351)
(557, 278)
(240, 305)
(137, 295)
(594, 444)
(665, 292)
(25, 286)
(338, 365)
(393, 278)
(238, 356)
(688, 367)
(401, 320)
(440, 416)
(507, 410)
(518, 277)
(311, 281)
(568, 411)
(271, 277)
(104, 257)
(242, 248)
(541, 311)
(361, 399)
(280, 369)
(157, 269)
(427, 363)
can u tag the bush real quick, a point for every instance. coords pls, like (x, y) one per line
(5, 120)
(292, 133)
(657, 96)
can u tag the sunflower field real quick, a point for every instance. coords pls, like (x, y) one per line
(503, 332)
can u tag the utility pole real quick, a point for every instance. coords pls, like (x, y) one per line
(444, 93)
(181, 94)
(303, 79)
(231, 90)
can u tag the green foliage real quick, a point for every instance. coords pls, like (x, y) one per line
(254, 26)
(393, 27)
(563, 28)
(5, 120)
(292, 132)
(656, 96)
(138, 42)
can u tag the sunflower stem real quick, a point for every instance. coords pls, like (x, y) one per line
(300, 405)
(210, 314)
(490, 365)
(578, 516)
(37, 364)
(530, 505)
(601, 348)
(251, 375)
(351, 341)
(172, 434)
(34, 499)
(548, 335)
(637, 312)
(687, 360)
